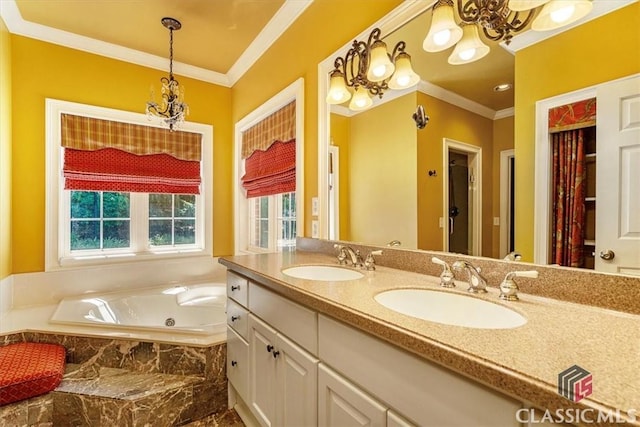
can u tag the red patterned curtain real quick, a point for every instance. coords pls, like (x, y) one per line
(569, 189)
(271, 171)
(103, 155)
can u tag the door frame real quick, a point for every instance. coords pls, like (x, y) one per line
(542, 175)
(505, 195)
(474, 154)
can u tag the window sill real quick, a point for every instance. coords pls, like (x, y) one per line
(91, 261)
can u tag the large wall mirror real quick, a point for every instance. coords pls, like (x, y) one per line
(448, 186)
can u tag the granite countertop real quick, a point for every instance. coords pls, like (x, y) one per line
(523, 362)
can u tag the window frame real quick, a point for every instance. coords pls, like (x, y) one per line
(57, 210)
(295, 91)
(275, 222)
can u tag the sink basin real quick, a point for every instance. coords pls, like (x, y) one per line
(327, 273)
(450, 308)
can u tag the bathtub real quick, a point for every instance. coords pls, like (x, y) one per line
(193, 309)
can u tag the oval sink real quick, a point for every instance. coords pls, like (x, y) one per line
(450, 308)
(327, 273)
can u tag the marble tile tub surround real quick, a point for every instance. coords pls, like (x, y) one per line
(121, 381)
(91, 353)
(614, 292)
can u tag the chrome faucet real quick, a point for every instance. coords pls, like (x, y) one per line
(394, 243)
(513, 256)
(370, 262)
(346, 254)
(477, 283)
(509, 288)
(446, 277)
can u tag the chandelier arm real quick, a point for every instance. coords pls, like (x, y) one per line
(398, 48)
(468, 12)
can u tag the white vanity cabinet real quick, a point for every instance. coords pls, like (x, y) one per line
(283, 384)
(293, 367)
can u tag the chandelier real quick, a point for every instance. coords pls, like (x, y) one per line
(171, 109)
(369, 70)
(498, 19)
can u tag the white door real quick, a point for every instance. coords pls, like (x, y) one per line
(297, 373)
(262, 384)
(618, 177)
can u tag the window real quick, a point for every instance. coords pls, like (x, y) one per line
(272, 222)
(270, 185)
(96, 226)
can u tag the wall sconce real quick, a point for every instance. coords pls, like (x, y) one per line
(370, 70)
(498, 19)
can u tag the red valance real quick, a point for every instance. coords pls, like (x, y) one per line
(110, 169)
(271, 171)
(573, 116)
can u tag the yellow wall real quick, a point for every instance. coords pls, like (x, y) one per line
(449, 121)
(382, 168)
(323, 27)
(502, 140)
(42, 70)
(340, 126)
(5, 151)
(598, 51)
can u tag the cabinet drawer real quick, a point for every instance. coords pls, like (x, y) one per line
(427, 394)
(237, 318)
(238, 363)
(293, 320)
(237, 288)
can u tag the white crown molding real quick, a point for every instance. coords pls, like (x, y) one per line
(502, 114)
(455, 99)
(530, 37)
(285, 16)
(435, 91)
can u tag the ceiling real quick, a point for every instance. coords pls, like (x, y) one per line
(220, 39)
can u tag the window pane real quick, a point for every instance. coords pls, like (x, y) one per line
(185, 205)
(85, 235)
(264, 207)
(264, 233)
(85, 204)
(160, 231)
(115, 205)
(185, 232)
(160, 205)
(116, 234)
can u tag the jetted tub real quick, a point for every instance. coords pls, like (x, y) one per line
(195, 309)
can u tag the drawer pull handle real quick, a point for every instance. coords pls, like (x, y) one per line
(234, 318)
(275, 354)
(269, 348)
(234, 363)
(235, 288)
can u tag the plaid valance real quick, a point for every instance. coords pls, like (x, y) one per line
(279, 126)
(91, 134)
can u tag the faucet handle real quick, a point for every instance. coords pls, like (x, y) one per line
(370, 262)
(509, 288)
(342, 254)
(446, 277)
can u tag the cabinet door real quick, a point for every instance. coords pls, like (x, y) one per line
(262, 384)
(237, 363)
(297, 372)
(341, 403)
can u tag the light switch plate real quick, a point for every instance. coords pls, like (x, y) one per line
(314, 229)
(314, 206)
(496, 220)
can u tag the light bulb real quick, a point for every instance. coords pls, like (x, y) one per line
(379, 70)
(442, 37)
(562, 14)
(467, 54)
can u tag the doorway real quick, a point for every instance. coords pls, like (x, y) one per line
(462, 186)
(507, 202)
